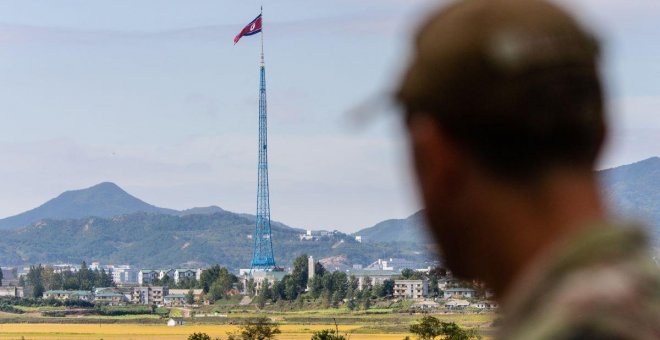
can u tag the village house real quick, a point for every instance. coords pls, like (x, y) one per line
(110, 297)
(457, 304)
(368, 277)
(174, 299)
(12, 291)
(425, 305)
(459, 293)
(183, 273)
(83, 295)
(175, 322)
(197, 293)
(488, 304)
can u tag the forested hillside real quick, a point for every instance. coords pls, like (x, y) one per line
(157, 240)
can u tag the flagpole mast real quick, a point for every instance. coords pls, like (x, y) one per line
(262, 35)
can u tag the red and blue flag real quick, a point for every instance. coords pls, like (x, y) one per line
(252, 28)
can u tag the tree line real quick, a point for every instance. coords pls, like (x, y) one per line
(333, 288)
(42, 278)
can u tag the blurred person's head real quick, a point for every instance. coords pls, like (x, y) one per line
(504, 110)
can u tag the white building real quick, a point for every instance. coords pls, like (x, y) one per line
(372, 277)
(12, 291)
(124, 274)
(174, 322)
(411, 289)
(485, 304)
(147, 276)
(307, 236)
(84, 295)
(459, 293)
(260, 276)
(393, 264)
(457, 304)
(183, 273)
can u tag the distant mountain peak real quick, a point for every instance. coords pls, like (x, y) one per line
(105, 199)
(105, 186)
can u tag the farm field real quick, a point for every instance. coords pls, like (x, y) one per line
(360, 325)
(147, 332)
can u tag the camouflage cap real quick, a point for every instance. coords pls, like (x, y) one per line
(471, 47)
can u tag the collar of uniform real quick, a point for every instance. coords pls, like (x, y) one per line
(595, 241)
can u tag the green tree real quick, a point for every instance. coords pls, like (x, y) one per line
(85, 277)
(226, 279)
(427, 328)
(319, 270)
(388, 287)
(351, 305)
(327, 334)
(299, 274)
(264, 294)
(409, 274)
(277, 291)
(291, 289)
(187, 283)
(34, 279)
(434, 289)
(336, 299)
(166, 281)
(316, 286)
(216, 292)
(190, 297)
(251, 286)
(199, 336)
(208, 277)
(452, 331)
(260, 328)
(1, 277)
(366, 300)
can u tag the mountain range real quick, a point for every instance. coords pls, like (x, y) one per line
(102, 200)
(106, 223)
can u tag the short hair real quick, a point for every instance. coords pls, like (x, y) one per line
(514, 83)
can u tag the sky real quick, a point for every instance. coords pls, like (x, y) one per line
(154, 96)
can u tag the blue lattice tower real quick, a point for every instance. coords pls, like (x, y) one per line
(262, 256)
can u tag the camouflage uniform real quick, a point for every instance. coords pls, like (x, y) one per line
(600, 284)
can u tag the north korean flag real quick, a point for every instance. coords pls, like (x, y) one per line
(253, 27)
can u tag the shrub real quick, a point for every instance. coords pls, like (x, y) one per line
(199, 336)
(327, 334)
(429, 328)
(261, 328)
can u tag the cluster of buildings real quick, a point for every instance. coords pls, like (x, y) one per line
(145, 286)
(148, 276)
(121, 274)
(149, 295)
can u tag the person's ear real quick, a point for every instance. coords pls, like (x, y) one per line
(436, 160)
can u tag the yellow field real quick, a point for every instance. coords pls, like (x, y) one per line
(159, 332)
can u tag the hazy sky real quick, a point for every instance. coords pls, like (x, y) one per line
(152, 95)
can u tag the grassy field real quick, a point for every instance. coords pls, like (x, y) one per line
(160, 332)
(377, 323)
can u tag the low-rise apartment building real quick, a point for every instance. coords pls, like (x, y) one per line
(411, 289)
(84, 295)
(149, 295)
